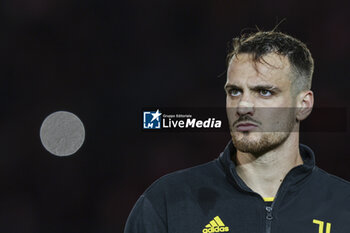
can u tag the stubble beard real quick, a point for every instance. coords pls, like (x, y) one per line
(267, 141)
(258, 143)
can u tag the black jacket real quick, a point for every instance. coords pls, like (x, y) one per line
(213, 198)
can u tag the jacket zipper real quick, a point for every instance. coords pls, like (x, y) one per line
(268, 209)
(269, 218)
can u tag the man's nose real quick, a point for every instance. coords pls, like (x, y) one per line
(245, 107)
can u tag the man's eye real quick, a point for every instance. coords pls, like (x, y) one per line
(234, 92)
(265, 93)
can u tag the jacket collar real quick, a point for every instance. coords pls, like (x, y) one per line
(293, 178)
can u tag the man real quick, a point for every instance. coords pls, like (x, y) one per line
(264, 181)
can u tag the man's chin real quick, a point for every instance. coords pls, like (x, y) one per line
(246, 136)
(257, 143)
(248, 146)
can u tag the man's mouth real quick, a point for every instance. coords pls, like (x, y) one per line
(246, 126)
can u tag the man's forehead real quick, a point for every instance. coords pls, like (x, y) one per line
(268, 61)
(270, 67)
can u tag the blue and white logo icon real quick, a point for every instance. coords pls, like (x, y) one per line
(151, 120)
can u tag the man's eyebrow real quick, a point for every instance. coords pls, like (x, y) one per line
(231, 86)
(265, 87)
(254, 88)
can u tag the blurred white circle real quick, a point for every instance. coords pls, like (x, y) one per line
(62, 133)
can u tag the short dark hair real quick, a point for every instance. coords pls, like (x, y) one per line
(262, 43)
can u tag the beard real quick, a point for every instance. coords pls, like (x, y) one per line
(258, 143)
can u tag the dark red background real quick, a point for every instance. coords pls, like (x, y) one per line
(105, 61)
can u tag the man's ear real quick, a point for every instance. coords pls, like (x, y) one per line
(305, 102)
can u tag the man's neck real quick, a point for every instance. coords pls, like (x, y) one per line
(264, 174)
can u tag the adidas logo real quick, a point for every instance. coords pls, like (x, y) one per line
(215, 225)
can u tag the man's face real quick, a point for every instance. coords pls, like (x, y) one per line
(260, 106)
